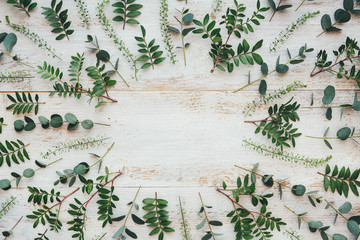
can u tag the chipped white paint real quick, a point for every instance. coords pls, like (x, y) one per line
(179, 130)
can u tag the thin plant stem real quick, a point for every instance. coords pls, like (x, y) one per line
(15, 225)
(207, 219)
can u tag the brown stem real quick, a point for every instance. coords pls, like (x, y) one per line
(329, 68)
(207, 219)
(43, 234)
(275, 11)
(15, 225)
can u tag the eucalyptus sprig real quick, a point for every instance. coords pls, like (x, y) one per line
(112, 34)
(83, 143)
(120, 233)
(342, 134)
(278, 7)
(83, 12)
(13, 151)
(151, 54)
(24, 103)
(34, 37)
(222, 52)
(283, 155)
(56, 121)
(340, 180)
(127, 10)
(23, 5)
(270, 97)
(210, 223)
(277, 126)
(165, 32)
(268, 180)
(279, 68)
(289, 30)
(58, 19)
(157, 217)
(348, 53)
(340, 15)
(27, 173)
(9, 40)
(185, 19)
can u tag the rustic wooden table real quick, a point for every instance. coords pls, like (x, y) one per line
(179, 130)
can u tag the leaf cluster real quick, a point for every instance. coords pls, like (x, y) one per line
(23, 103)
(127, 10)
(40, 196)
(58, 19)
(13, 151)
(23, 5)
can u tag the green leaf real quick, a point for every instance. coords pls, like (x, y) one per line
(215, 223)
(4, 183)
(103, 55)
(201, 224)
(262, 87)
(326, 22)
(28, 173)
(188, 18)
(71, 118)
(282, 68)
(343, 133)
(56, 121)
(10, 41)
(353, 227)
(348, 5)
(329, 95)
(118, 232)
(339, 237)
(173, 29)
(345, 208)
(298, 190)
(87, 124)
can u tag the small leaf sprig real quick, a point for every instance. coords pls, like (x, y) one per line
(150, 53)
(79, 209)
(15, 76)
(83, 143)
(120, 233)
(280, 68)
(6, 205)
(270, 97)
(341, 180)
(342, 134)
(185, 228)
(165, 32)
(13, 151)
(58, 19)
(127, 10)
(23, 5)
(277, 126)
(289, 30)
(340, 15)
(104, 56)
(112, 34)
(269, 181)
(247, 225)
(216, 5)
(209, 233)
(2, 124)
(222, 51)
(315, 226)
(278, 7)
(83, 13)
(283, 155)
(157, 217)
(34, 37)
(293, 234)
(9, 40)
(24, 103)
(346, 53)
(27, 173)
(56, 121)
(185, 19)
(75, 67)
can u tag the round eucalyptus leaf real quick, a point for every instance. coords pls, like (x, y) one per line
(298, 190)
(262, 87)
(282, 68)
(329, 95)
(6, 233)
(326, 22)
(348, 5)
(343, 133)
(264, 69)
(188, 18)
(81, 168)
(337, 236)
(30, 126)
(269, 181)
(10, 41)
(45, 123)
(28, 173)
(103, 55)
(56, 121)
(71, 118)
(315, 225)
(345, 208)
(87, 124)
(353, 227)
(342, 16)
(4, 183)
(19, 125)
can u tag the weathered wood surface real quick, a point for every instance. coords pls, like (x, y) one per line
(179, 130)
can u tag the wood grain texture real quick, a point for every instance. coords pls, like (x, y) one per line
(179, 130)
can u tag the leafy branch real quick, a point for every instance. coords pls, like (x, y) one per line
(165, 32)
(127, 11)
(23, 103)
(23, 5)
(13, 151)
